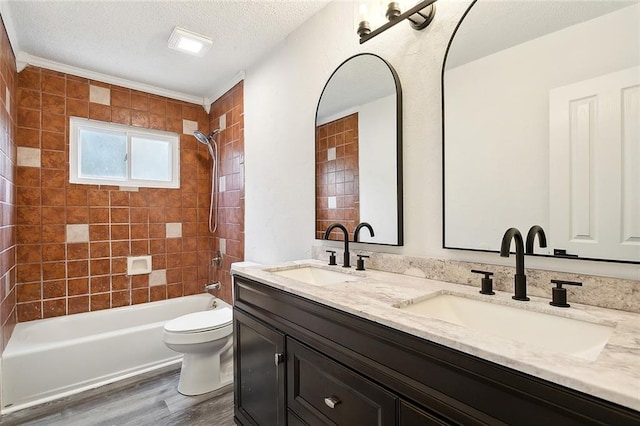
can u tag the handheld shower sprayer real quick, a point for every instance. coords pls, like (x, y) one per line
(212, 146)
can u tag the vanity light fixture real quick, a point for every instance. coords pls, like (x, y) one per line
(419, 16)
(189, 42)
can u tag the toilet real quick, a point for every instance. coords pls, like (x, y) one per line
(202, 337)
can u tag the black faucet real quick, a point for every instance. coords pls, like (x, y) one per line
(347, 262)
(531, 235)
(361, 225)
(520, 277)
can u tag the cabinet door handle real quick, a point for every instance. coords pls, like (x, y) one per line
(331, 401)
(278, 358)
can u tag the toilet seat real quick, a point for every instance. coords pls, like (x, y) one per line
(199, 322)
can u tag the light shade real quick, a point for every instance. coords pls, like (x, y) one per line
(189, 42)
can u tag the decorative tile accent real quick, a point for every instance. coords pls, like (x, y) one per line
(222, 122)
(222, 245)
(78, 233)
(189, 126)
(28, 157)
(222, 183)
(331, 154)
(332, 202)
(99, 95)
(7, 100)
(158, 277)
(174, 230)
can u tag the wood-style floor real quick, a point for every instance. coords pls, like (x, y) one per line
(148, 399)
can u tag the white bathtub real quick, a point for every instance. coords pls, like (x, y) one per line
(51, 358)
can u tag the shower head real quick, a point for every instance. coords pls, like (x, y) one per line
(204, 139)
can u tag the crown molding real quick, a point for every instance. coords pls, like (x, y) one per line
(28, 59)
(221, 90)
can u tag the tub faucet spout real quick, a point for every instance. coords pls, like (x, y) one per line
(212, 286)
(520, 279)
(347, 260)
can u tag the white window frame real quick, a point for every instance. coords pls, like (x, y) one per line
(76, 124)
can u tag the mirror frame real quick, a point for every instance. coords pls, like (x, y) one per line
(399, 172)
(444, 246)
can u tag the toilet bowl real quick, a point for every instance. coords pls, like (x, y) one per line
(202, 337)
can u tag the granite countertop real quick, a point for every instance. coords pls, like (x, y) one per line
(375, 295)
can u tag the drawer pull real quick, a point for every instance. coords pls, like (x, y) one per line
(331, 401)
(277, 359)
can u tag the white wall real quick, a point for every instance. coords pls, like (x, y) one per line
(281, 96)
(378, 184)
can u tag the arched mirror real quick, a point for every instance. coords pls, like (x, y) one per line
(359, 151)
(541, 106)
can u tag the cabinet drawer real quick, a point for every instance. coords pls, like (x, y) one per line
(411, 415)
(293, 420)
(321, 391)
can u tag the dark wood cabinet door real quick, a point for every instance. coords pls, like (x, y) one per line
(322, 391)
(259, 372)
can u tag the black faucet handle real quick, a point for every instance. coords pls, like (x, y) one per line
(360, 262)
(487, 282)
(487, 274)
(559, 294)
(332, 257)
(560, 283)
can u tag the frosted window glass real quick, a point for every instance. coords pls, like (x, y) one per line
(104, 154)
(150, 159)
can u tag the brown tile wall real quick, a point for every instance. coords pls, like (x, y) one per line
(337, 177)
(58, 278)
(231, 201)
(8, 119)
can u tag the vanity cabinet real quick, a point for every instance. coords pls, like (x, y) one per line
(338, 368)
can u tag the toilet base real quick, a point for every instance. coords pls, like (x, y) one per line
(200, 374)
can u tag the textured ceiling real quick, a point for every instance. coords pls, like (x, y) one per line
(128, 39)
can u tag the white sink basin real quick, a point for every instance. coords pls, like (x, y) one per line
(316, 276)
(554, 333)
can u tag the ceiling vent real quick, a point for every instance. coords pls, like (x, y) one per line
(189, 42)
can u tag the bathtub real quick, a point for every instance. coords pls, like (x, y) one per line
(55, 357)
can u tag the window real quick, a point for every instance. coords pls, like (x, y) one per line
(103, 153)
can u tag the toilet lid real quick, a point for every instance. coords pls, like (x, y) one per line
(200, 321)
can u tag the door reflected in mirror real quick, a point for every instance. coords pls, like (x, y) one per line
(542, 127)
(358, 151)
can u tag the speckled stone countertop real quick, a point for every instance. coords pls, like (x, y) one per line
(375, 295)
